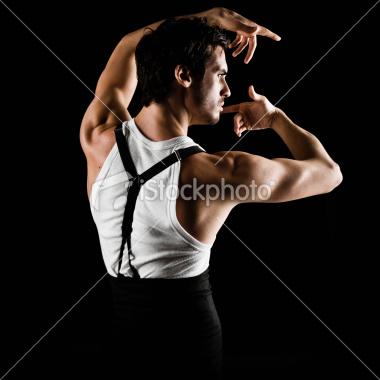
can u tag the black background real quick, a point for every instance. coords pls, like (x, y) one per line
(323, 248)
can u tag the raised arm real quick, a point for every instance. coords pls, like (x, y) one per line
(311, 172)
(117, 83)
(114, 91)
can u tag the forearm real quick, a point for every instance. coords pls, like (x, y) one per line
(120, 71)
(302, 144)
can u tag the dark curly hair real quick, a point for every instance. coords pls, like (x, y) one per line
(183, 41)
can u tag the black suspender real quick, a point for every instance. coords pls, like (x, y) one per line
(139, 180)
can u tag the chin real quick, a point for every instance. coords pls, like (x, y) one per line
(215, 119)
(209, 119)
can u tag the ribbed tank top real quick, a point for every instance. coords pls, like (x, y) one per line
(162, 248)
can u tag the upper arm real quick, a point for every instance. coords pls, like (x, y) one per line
(102, 116)
(113, 94)
(279, 179)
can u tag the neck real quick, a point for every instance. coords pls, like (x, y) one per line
(162, 121)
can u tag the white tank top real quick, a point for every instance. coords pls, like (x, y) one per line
(161, 247)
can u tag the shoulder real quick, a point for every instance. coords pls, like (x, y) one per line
(97, 140)
(208, 168)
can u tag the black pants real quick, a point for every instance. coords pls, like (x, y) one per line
(164, 327)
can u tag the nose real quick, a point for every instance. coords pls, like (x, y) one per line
(226, 90)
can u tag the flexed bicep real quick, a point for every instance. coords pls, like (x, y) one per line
(279, 179)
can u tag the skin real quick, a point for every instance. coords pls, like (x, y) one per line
(311, 171)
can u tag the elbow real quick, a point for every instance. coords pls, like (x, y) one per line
(339, 175)
(335, 177)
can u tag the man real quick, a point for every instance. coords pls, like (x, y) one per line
(156, 249)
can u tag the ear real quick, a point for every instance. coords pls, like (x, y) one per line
(182, 75)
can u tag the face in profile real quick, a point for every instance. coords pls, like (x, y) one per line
(207, 95)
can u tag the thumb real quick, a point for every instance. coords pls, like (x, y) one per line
(252, 94)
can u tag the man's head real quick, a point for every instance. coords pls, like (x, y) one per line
(184, 58)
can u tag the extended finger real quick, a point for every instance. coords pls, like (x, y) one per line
(252, 43)
(263, 31)
(241, 47)
(236, 41)
(232, 108)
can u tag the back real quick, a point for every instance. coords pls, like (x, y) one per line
(162, 248)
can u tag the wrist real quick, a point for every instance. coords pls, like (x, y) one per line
(281, 123)
(211, 14)
(275, 118)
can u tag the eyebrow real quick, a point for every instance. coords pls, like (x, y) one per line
(219, 69)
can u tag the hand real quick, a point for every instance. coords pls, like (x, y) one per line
(246, 30)
(255, 115)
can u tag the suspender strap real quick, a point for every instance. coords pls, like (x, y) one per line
(137, 182)
(133, 191)
(124, 152)
(177, 155)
